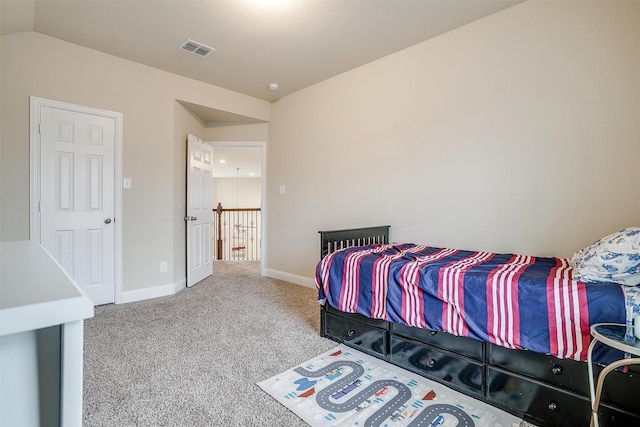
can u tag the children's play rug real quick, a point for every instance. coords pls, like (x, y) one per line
(345, 387)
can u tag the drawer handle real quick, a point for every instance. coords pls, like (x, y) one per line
(431, 363)
(556, 369)
(553, 405)
(432, 333)
(351, 333)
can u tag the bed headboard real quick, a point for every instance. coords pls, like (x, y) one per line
(333, 240)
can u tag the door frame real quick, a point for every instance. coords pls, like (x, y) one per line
(263, 186)
(36, 103)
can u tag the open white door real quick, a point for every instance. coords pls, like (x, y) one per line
(199, 210)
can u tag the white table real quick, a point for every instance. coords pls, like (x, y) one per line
(41, 339)
(613, 335)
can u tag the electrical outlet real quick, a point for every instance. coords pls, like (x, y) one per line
(163, 267)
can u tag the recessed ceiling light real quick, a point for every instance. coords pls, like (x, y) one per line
(223, 161)
(274, 86)
(251, 174)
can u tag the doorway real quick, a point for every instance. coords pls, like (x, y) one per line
(238, 174)
(75, 211)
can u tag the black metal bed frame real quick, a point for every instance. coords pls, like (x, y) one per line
(542, 389)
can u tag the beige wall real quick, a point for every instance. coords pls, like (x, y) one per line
(155, 126)
(519, 133)
(248, 194)
(237, 132)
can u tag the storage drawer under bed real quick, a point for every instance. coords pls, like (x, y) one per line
(620, 390)
(449, 368)
(377, 323)
(359, 335)
(543, 402)
(461, 345)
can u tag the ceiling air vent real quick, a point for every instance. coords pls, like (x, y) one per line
(196, 48)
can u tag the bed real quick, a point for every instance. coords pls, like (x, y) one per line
(508, 329)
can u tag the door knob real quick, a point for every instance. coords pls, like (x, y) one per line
(193, 218)
(107, 221)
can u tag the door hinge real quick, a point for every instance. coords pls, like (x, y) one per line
(39, 209)
(39, 129)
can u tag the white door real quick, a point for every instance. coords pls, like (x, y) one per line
(199, 210)
(77, 198)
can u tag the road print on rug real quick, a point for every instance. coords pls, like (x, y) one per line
(345, 387)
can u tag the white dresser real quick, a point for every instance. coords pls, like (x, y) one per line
(41, 339)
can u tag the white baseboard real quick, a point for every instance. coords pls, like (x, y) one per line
(153, 292)
(291, 278)
(171, 289)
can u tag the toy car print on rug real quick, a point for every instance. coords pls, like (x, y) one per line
(345, 387)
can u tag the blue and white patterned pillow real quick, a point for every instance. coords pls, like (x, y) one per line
(612, 259)
(632, 306)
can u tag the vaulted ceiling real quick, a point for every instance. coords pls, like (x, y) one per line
(295, 43)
